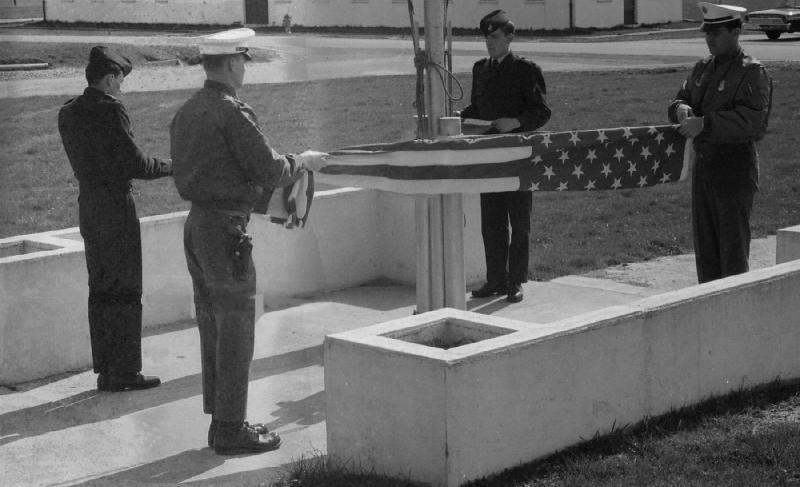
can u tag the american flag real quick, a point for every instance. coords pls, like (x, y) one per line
(586, 160)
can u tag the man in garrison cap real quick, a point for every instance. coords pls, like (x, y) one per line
(224, 166)
(509, 91)
(104, 156)
(723, 106)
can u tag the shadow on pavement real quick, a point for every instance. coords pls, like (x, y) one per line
(93, 406)
(184, 466)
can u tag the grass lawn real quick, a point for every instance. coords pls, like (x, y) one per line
(572, 232)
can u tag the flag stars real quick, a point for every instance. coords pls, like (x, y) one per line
(564, 156)
(606, 170)
(646, 152)
(546, 140)
(660, 138)
(620, 155)
(656, 165)
(631, 168)
(548, 171)
(578, 172)
(665, 178)
(627, 133)
(617, 183)
(590, 185)
(643, 181)
(592, 155)
(670, 150)
(562, 186)
(601, 136)
(652, 130)
(536, 160)
(534, 187)
(574, 138)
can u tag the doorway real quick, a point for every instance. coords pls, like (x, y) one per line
(256, 12)
(630, 12)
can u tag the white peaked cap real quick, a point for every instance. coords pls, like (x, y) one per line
(232, 41)
(715, 14)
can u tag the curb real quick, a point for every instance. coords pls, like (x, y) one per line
(23, 67)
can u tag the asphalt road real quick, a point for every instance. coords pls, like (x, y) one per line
(315, 57)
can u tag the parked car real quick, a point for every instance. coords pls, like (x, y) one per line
(775, 21)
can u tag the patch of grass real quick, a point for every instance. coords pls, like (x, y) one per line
(314, 471)
(572, 233)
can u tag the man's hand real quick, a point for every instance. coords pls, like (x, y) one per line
(504, 125)
(691, 126)
(312, 160)
(683, 111)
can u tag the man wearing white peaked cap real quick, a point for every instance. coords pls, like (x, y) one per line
(224, 166)
(723, 106)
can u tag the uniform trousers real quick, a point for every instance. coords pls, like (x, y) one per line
(722, 201)
(507, 255)
(225, 309)
(113, 249)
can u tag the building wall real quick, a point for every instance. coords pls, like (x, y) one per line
(654, 11)
(599, 13)
(223, 12)
(527, 14)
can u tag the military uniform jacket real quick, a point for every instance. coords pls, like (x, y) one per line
(220, 155)
(733, 95)
(97, 136)
(514, 89)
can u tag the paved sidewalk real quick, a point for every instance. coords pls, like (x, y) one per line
(61, 431)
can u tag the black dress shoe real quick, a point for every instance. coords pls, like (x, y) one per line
(260, 428)
(238, 438)
(514, 293)
(488, 290)
(124, 382)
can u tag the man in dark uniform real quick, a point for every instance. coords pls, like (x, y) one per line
(724, 107)
(509, 91)
(97, 137)
(224, 166)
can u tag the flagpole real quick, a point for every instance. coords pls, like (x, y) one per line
(440, 237)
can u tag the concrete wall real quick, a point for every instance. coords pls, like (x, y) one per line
(223, 12)
(353, 236)
(527, 14)
(599, 13)
(788, 244)
(450, 416)
(655, 11)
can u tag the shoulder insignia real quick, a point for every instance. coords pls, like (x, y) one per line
(748, 61)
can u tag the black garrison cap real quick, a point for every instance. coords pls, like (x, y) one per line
(102, 56)
(493, 21)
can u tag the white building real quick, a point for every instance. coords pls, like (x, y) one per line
(527, 14)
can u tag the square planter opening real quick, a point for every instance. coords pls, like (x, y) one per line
(448, 333)
(22, 247)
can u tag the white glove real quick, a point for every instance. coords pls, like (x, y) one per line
(683, 111)
(311, 160)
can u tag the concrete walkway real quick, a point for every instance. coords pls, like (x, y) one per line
(61, 431)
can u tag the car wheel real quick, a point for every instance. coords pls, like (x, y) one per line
(773, 34)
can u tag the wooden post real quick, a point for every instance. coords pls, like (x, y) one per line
(440, 219)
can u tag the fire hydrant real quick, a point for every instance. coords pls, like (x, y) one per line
(287, 23)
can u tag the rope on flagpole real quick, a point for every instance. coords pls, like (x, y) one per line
(420, 60)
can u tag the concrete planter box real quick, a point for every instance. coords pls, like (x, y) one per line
(399, 394)
(510, 392)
